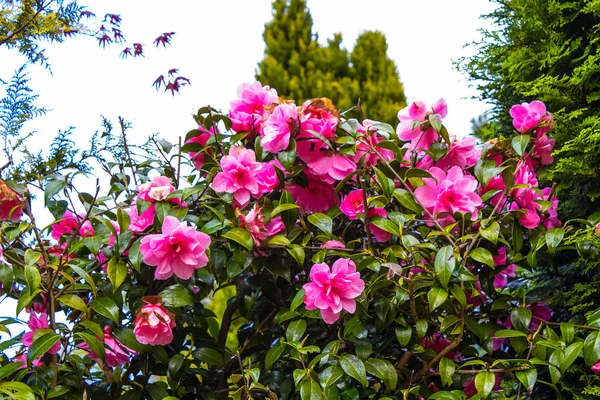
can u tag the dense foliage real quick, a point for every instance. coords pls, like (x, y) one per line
(366, 262)
(548, 50)
(301, 68)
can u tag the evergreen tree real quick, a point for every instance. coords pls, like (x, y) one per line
(548, 50)
(299, 67)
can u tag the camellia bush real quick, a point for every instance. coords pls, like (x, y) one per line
(283, 251)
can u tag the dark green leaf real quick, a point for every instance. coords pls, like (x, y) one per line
(241, 236)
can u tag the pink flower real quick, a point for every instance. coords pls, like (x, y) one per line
(439, 343)
(140, 222)
(551, 219)
(179, 250)
(380, 235)
(254, 223)
(461, 154)
(501, 278)
(153, 324)
(266, 178)
(157, 190)
(318, 196)
(319, 118)
(364, 147)
(597, 228)
(248, 110)
(333, 244)
(333, 291)
(65, 226)
(278, 128)
(527, 116)
(418, 112)
(596, 368)
(11, 203)
(22, 358)
(526, 197)
(352, 205)
(539, 311)
(35, 323)
(240, 175)
(321, 161)
(470, 389)
(86, 229)
(201, 139)
(111, 238)
(453, 192)
(542, 149)
(116, 352)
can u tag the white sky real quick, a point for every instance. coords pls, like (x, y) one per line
(217, 46)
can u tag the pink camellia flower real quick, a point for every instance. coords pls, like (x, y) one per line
(364, 146)
(22, 358)
(86, 229)
(453, 192)
(254, 223)
(11, 203)
(278, 128)
(332, 291)
(111, 238)
(65, 226)
(333, 244)
(501, 278)
(353, 204)
(597, 228)
(596, 368)
(201, 139)
(321, 161)
(116, 352)
(179, 250)
(318, 196)
(439, 343)
(138, 223)
(542, 149)
(418, 112)
(157, 190)
(38, 322)
(461, 154)
(551, 220)
(240, 175)
(539, 311)
(525, 197)
(153, 324)
(318, 117)
(248, 110)
(266, 178)
(527, 116)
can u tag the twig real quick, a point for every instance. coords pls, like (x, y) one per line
(126, 147)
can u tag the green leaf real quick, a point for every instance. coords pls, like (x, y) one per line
(297, 252)
(280, 240)
(422, 327)
(406, 200)
(281, 208)
(17, 391)
(40, 346)
(209, 356)
(447, 368)
(519, 144)
(484, 382)
(73, 301)
(436, 297)
(355, 368)
(386, 183)
(85, 276)
(289, 217)
(123, 219)
(295, 330)
(287, 158)
(52, 188)
(483, 256)
(508, 333)
(386, 225)
(321, 221)
(310, 390)
(176, 296)
(117, 272)
(93, 342)
(383, 370)
(591, 348)
(32, 277)
(135, 256)
(25, 298)
(241, 236)
(553, 238)
(93, 243)
(569, 355)
(107, 308)
(274, 353)
(298, 299)
(10, 368)
(403, 334)
(567, 331)
(527, 378)
(459, 294)
(520, 318)
(491, 232)
(444, 265)
(32, 257)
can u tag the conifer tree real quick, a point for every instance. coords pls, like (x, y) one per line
(300, 67)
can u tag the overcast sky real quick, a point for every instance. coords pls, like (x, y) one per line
(217, 46)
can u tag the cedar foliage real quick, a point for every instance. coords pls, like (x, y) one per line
(548, 50)
(301, 68)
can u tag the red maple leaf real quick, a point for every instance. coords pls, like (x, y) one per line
(164, 39)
